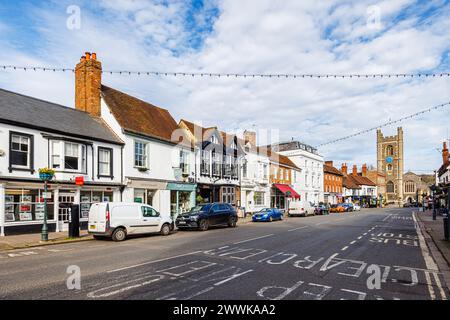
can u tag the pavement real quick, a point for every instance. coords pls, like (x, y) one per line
(34, 240)
(435, 239)
(374, 254)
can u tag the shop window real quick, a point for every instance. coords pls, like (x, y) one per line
(105, 163)
(259, 198)
(27, 205)
(87, 198)
(228, 195)
(144, 196)
(140, 154)
(20, 151)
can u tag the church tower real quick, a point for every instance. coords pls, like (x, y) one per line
(390, 163)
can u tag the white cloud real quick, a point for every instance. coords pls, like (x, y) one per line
(261, 36)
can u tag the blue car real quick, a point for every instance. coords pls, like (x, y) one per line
(267, 214)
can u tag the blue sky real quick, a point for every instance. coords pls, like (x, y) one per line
(252, 36)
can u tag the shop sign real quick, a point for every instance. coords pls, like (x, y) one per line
(79, 181)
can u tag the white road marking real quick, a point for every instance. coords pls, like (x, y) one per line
(359, 238)
(387, 217)
(353, 242)
(154, 261)
(298, 228)
(365, 234)
(257, 238)
(344, 248)
(441, 290)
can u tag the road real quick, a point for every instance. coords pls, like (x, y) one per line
(372, 254)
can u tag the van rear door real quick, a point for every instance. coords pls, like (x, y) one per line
(97, 217)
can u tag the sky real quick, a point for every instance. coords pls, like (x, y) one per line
(252, 36)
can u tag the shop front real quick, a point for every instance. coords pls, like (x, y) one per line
(209, 193)
(182, 197)
(151, 192)
(22, 204)
(281, 194)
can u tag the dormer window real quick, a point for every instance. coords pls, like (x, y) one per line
(213, 139)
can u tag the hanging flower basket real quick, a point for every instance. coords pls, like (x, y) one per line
(46, 174)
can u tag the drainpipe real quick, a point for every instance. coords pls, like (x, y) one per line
(2, 210)
(121, 174)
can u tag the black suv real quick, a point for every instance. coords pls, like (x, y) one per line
(206, 215)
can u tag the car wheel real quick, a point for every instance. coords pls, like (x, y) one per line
(232, 222)
(119, 234)
(281, 217)
(203, 225)
(165, 229)
(270, 219)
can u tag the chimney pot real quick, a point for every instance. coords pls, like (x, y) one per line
(83, 58)
(88, 56)
(94, 56)
(355, 170)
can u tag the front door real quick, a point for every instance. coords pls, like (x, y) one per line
(66, 200)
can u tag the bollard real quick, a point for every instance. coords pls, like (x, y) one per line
(446, 227)
(74, 224)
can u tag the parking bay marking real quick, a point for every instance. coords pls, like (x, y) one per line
(257, 238)
(154, 261)
(298, 228)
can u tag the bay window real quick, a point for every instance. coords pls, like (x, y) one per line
(184, 162)
(205, 167)
(71, 156)
(68, 156)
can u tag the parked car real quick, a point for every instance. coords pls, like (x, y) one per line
(267, 214)
(356, 207)
(117, 220)
(300, 208)
(207, 215)
(335, 208)
(347, 206)
(321, 209)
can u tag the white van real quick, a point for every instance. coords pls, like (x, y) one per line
(300, 208)
(119, 219)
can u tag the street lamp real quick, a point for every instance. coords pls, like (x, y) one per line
(433, 196)
(45, 175)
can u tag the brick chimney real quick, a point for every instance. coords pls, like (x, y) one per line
(364, 170)
(344, 169)
(445, 153)
(329, 163)
(88, 81)
(250, 136)
(355, 170)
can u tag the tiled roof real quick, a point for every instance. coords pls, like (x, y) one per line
(349, 183)
(364, 181)
(331, 170)
(23, 110)
(140, 117)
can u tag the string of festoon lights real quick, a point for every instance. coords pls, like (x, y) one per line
(236, 75)
(389, 123)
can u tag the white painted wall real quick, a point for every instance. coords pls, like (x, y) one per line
(310, 186)
(256, 180)
(41, 157)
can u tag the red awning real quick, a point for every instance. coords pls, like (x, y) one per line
(287, 190)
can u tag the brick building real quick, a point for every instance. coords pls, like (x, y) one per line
(332, 183)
